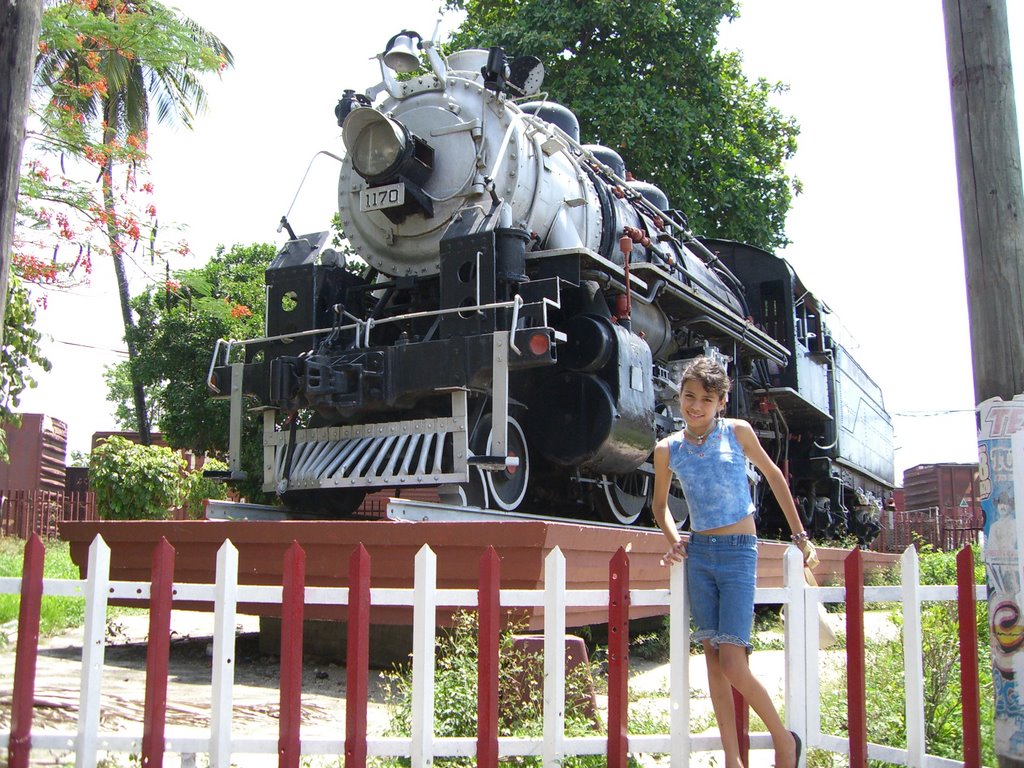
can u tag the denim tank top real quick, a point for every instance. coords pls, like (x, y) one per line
(713, 477)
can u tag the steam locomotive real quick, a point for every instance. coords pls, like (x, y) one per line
(517, 335)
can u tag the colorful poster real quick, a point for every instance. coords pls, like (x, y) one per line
(1001, 490)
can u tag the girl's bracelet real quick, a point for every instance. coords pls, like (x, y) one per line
(799, 538)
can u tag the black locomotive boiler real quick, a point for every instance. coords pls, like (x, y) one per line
(517, 336)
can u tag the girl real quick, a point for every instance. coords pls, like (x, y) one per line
(709, 457)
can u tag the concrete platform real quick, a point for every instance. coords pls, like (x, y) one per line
(521, 545)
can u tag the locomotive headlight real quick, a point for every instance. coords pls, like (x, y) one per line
(376, 144)
(394, 162)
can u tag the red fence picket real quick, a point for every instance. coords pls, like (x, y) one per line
(488, 628)
(618, 659)
(969, 685)
(357, 665)
(292, 615)
(158, 652)
(20, 745)
(856, 693)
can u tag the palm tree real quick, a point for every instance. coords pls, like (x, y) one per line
(147, 55)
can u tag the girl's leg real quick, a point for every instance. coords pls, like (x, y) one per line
(735, 670)
(721, 700)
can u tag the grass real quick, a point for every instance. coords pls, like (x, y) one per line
(56, 613)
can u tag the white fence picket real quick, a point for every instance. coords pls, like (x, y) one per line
(93, 653)
(797, 638)
(679, 670)
(223, 678)
(913, 665)
(424, 620)
(554, 658)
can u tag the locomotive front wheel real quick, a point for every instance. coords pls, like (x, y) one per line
(471, 494)
(326, 504)
(508, 486)
(622, 499)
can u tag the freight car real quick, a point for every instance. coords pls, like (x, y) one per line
(517, 333)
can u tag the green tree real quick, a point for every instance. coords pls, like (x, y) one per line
(179, 325)
(108, 61)
(121, 394)
(644, 78)
(19, 352)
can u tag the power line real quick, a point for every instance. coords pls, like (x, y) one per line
(919, 414)
(123, 352)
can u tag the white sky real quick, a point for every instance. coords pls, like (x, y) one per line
(876, 233)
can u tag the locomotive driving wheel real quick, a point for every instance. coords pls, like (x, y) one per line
(622, 498)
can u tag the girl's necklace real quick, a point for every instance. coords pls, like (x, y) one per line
(699, 439)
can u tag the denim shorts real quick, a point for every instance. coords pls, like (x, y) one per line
(721, 574)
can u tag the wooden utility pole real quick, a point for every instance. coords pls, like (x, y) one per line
(991, 204)
(19, 35)
(991, 200)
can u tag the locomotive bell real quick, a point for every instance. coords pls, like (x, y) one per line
(400, 52)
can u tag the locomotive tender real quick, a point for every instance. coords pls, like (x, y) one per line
(518, 336)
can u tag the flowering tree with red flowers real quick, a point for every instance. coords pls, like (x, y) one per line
(102, 66)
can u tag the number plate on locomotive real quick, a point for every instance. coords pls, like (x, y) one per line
(376, 198)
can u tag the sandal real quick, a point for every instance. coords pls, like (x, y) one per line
(799, 748)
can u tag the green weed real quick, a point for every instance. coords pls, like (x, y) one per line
(56, 613)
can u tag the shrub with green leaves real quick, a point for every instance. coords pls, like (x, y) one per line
(135, 482)
(197, 488)
(520, 695)
(943, 704)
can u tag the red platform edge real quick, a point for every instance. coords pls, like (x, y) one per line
(521, 546)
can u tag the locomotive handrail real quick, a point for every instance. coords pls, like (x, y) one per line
(229, 343)
(517, 302)
(213, 364)
(304, 176)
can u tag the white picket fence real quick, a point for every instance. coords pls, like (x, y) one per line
(802, 699)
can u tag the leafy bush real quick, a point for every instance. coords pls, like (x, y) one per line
(135, 482)
(520, 694)
(196, 489)
(886, 714)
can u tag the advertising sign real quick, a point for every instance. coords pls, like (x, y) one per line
(1001, 491)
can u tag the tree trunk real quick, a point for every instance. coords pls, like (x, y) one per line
(117, 256)
(19, 29)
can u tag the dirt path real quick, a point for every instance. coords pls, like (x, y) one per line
(256, 692)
